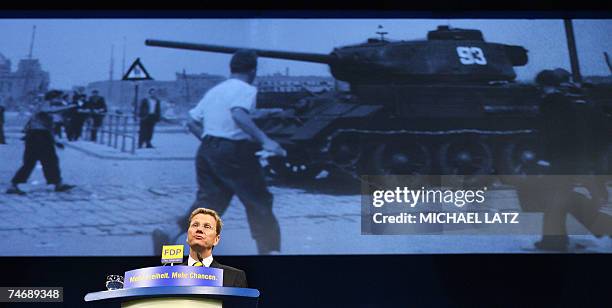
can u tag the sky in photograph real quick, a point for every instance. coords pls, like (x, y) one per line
(78, 51)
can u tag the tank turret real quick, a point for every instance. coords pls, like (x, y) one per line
(446, 55)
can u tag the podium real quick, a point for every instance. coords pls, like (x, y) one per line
(178, 297)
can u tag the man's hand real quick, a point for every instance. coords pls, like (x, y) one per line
(59, 145)
(272, 146)
(242, 119)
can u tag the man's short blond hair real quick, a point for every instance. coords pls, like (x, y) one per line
(210, 212)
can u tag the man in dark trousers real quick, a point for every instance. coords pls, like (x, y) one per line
(2, 139)
(40, 146)
(566, 129)
(77, 115)
(97, 107)
(204, 233)
(70, 119)
(226, 164)
(149, 114)
(59, 118)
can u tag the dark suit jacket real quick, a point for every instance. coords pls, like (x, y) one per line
(144, 109)
(97, 102)
(232, 277)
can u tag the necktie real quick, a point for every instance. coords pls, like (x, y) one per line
(198, 264)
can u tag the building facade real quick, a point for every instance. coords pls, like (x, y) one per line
(19, 88)
(285, 83)
(282, 90)
(180, 95)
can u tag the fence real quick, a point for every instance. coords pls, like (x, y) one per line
(117, 131)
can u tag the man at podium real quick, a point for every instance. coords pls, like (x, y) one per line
(203, 235)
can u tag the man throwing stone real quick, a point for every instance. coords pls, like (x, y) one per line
(226, 164)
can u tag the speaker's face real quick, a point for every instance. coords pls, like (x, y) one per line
(202, 232)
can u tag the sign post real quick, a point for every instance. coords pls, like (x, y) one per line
(135, 73)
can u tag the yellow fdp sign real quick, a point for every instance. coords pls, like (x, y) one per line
(172, 254)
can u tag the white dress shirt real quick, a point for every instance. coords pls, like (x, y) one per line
(207, 261)
(214, 111)
(152, 106)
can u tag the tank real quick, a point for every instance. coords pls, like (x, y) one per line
(445, 104)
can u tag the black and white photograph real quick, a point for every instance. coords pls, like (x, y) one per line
(112, 131)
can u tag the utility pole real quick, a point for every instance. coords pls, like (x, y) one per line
(571, 45)
(122, 72)
(32, 42)
(110, 73)
(123, 59)
(187, 96)
(28, 96)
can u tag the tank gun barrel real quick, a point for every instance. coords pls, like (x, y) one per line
(286, 55)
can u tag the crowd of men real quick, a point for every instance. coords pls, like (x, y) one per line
(71, 121)
(57, 112)
(92, 108)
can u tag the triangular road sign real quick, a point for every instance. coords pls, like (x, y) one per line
(137, 72)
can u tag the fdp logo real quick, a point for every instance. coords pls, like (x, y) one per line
(172, 254)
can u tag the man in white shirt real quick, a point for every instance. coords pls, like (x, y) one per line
(204, 231)
(226, 164)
